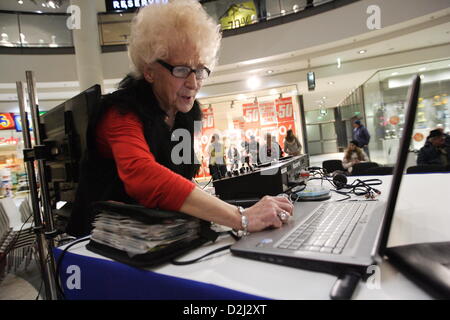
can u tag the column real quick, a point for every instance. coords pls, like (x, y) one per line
(87, 45)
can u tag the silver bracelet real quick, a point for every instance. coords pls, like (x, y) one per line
(244, 223)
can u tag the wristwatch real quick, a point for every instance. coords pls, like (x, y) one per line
(244, 223)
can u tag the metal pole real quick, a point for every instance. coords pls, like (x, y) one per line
(45, 194)
(46, 272)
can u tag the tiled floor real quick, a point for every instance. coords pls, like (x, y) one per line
(23, 285)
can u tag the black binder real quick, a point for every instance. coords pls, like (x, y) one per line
(426, 264)
(149, 216)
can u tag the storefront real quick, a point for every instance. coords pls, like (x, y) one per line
(385, 95)
(12, 170)
(238, 118)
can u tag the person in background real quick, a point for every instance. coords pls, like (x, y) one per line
(173, 47)
(446, 136)
(233, 156)
(292, 146)
(253, 150)
(361, 136)
(435, 151)
(217, 165)
(353, 155)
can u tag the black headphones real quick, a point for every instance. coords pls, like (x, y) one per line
(339, 180)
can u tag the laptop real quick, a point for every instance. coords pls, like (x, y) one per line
(335, 237)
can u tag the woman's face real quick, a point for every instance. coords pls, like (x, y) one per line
(175, 94)
(351, 146)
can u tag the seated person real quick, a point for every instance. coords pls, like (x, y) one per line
(446, 136)
(435, 151)
(130, 155)
(353, 155)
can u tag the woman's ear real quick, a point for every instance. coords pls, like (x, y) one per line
(149, 74)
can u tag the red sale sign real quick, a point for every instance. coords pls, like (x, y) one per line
(251, 114)
(268, 113)
(285, 113)
(285, 110)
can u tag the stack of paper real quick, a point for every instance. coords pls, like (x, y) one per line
(135, 237)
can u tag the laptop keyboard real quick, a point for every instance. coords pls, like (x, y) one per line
(327, 230)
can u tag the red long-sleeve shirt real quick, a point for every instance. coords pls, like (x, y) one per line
(121, 136)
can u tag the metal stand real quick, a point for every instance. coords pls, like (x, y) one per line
(43, 228)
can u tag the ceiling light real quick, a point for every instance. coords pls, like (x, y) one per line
(362, 51)
(269, 71)
(422, 76)
(44, 5)
(51, 4)
(295, 7)
(422, 69)
(339, 63)
(283, 12)
(330, 82)
(20, 2)
(394, 73)
(324, 98)
(253, 82)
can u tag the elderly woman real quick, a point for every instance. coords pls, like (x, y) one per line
(353, 155)
(173, 48)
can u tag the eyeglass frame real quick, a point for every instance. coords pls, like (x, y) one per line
(171, 68)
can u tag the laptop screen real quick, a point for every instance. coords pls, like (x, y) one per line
(410, 116)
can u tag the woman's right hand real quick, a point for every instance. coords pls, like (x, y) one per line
(268, 213)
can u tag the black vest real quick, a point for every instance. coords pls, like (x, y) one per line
(99, 179)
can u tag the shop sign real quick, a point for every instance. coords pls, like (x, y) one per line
(9, 141)
(18, 123)
(6, 121)
(238, 15)
(130, 5)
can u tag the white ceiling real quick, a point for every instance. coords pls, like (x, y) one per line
(427, 31)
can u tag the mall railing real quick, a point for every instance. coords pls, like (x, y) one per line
(230, 14)
(49, 30)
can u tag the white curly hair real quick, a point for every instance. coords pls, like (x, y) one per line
(159, 28)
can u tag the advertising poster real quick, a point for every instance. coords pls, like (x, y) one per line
(285, 117)
(238, 15)
(251, 123)
(268, 114)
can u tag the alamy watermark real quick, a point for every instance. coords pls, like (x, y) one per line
(373, 22)
(74, 279)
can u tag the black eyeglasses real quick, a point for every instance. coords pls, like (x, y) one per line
(184, 71)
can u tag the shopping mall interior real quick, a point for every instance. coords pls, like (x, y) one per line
(313, 66)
